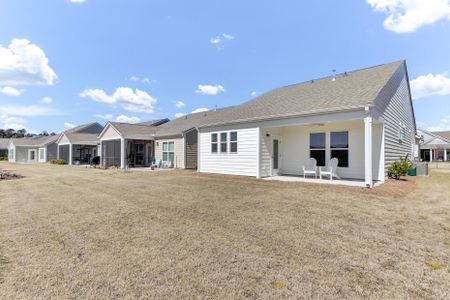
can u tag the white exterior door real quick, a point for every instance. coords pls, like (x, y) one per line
(276, 155)
(32, 155)
(41, 155)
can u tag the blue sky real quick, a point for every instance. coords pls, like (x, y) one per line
(64, 63)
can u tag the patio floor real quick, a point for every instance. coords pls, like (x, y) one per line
(348, 182)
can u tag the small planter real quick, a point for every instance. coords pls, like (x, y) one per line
(412, 171)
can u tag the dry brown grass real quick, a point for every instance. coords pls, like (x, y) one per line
(93, 234)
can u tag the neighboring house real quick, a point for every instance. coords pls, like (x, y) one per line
(80, 144)
(128, 144)
(364, 118)
(177, 141)
(434, 146)
(4, 147)
(33, 150)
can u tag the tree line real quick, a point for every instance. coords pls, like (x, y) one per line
(21, 133)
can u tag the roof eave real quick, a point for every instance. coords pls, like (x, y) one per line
(289, 116)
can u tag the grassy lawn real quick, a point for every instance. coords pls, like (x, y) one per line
(68, 232)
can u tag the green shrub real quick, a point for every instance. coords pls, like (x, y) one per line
(58, 161)
(4, 157)
(399, 168)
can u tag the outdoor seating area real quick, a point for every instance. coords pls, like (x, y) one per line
(330, 170)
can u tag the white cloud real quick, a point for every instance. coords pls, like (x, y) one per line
(210, 89)
(134, 101)
(179, 104)
(68, 125)
(105, 117)
(428, 85)
(10, 91)
(220, 40)
(199, 110)
(121, 118)
(24, 63)
(15, 123)
(28, 110)
(179, 115)
(443, 125)
(254, 94)
(77, 1)
(126, 119)
(47, 100)
(409, 15)
(142, 80)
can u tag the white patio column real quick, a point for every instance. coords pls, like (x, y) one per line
(431, 155)
(122, 153)
(70, 154)
(445, 154)
(368, 151)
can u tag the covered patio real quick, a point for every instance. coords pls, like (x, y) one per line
(356, 143)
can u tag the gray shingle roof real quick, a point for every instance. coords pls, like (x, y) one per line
(443, 134)
(4, 143)
(35, 141)
(179, 125)
(350, 90)
(135, 131)
(86, 134)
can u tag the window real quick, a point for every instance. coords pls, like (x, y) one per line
(233, 142)
(168, 151)
(223, 142)
(214, 142)
(317, 147)
(339, 147)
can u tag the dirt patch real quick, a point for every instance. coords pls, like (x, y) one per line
(396, 188)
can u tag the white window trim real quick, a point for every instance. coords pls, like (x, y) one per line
(168, 151)
(216, 142)
(328, 145)
(230, 141)
(348, 147)
(319, 149)
(227, 142)
(223, 142)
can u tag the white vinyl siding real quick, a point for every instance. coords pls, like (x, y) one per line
(395, 104)
(244, 162)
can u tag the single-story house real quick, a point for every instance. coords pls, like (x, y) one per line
(177, 141)
(434, 146)
(80, 144)
(365, 118)
(4, 147)
(128, 145)
(39, 149)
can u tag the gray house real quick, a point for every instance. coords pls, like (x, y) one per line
(128, 144)
(434, 146)
(33, 149)
(364, 118)
(80, 144)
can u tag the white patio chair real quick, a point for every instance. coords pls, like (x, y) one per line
(310, 167)
(330, 170)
